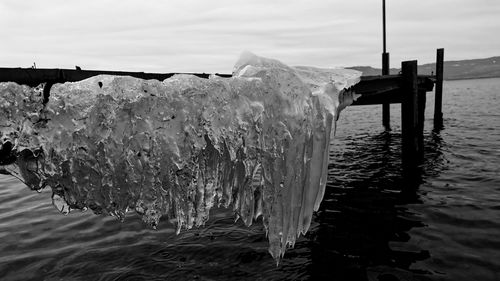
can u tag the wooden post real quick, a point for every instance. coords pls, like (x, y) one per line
(438, 113)
(421, 100)
(386, 113)
(409, 114)
(383, 26)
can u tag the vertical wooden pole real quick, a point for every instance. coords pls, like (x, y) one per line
(421, 100)
(421, 110)
(386, 113)
(383, 25)
(438, 113)
(409, 113)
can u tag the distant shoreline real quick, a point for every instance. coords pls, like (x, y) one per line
(471, 78)
(453, 70)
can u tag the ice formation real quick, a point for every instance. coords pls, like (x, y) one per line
(257, 142)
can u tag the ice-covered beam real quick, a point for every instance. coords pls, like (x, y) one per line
(257, 142)
(36, 76)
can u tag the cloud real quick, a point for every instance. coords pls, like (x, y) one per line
(208, 36)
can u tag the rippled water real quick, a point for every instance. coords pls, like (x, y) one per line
(443, 223)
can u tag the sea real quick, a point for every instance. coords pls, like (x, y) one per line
(375, 223)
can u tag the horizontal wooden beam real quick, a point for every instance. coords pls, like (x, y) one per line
(385, 89)
(373, 89)
(34, 77)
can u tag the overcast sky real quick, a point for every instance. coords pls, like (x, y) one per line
(208, 36)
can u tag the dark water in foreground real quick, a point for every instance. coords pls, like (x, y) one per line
(445, 226)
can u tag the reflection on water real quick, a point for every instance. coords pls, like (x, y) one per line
(361, 228)
(364, 208)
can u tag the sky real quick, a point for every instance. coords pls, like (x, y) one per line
(209, 36)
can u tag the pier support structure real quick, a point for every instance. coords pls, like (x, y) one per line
(422, 99)
(386, 111)
(438, 113)
(411, 113)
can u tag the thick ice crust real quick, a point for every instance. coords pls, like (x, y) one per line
(257, 142)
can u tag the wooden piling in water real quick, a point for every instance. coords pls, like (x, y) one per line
(386, 112)
(438, 114)
(421, 100)
(410, 113)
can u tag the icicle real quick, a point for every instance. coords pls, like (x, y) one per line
(257, 142)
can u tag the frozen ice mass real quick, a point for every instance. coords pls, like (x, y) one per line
(257, 143)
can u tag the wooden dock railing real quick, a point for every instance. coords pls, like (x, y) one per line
(409, 89)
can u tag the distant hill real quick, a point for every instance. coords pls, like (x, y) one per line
(453, 70)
